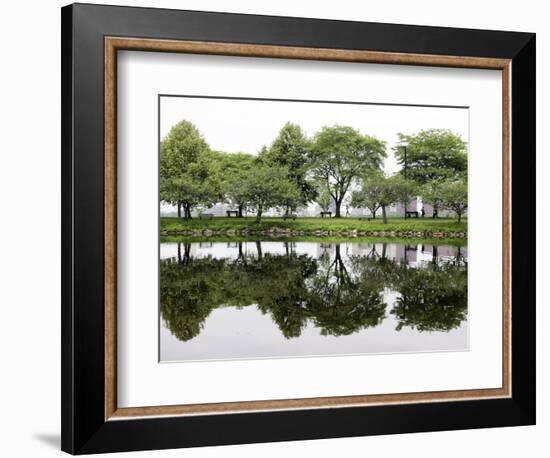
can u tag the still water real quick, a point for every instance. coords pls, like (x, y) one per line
(275, 299)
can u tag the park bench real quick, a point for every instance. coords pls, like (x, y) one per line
(323, 214)
(292, 216)
(234, 212)
(206, 215)
(410, 214)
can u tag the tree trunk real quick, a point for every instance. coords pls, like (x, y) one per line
(259, 216)
(338, 204)
(259, 249)
(179, 209)
(459, 216)
(187, 212)
(187, 252)
(179, 253)
(240, 250)
(384, 216)
(240, 214)
(340, 270)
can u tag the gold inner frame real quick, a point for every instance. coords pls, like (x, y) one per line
(114, 44)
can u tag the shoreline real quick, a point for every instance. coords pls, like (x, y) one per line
(286, 232)
(315, 227)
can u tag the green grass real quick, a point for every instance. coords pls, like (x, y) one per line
(311, 225)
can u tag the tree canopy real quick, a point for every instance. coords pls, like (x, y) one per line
(295, 170)
(291, 151)
(268, 187)
(432, 155)
(189, 175)
(341, 154)
(454, 196)
(235, 168)
(378, 191)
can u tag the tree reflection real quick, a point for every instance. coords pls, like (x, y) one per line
(339, 294)
(340, 302)
(433, 298)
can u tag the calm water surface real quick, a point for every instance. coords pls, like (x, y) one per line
(273, 299)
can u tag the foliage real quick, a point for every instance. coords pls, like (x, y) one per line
(291, 151)
(267, 187)
(432, 155)
(404, 191)
(450, 194)
(188, 174)
(431, 194)
(235, 169)
(378, 191)
(341, 154)
(454, 196)
(323, 198)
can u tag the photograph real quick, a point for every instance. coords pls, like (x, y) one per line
(303, 228)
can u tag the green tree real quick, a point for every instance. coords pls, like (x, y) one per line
(341, 154)
(404, 190)
(368, 196)
(188, 174)
(378, 191)
(323, 198)
(291, 150)
(235, 168)
(432, 155)
(454, 196)
(266, 187)
(431, 195)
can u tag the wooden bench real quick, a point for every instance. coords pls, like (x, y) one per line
(293, 217)
(323, 214)
(410, 214)
(206, 215)
(235, 212)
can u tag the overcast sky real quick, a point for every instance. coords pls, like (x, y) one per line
(247, 125)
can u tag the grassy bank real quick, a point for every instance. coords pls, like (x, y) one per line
(396, 227)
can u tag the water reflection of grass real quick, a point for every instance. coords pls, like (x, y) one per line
(315, 239)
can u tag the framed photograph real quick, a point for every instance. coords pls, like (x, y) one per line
(281, 228)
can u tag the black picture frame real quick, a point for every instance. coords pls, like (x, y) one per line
(84, 429)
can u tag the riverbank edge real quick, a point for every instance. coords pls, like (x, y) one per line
(285, 232)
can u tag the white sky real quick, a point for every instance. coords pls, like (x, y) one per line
(246, 125)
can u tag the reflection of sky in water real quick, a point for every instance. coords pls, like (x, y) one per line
(230, 250)
(232, 333)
